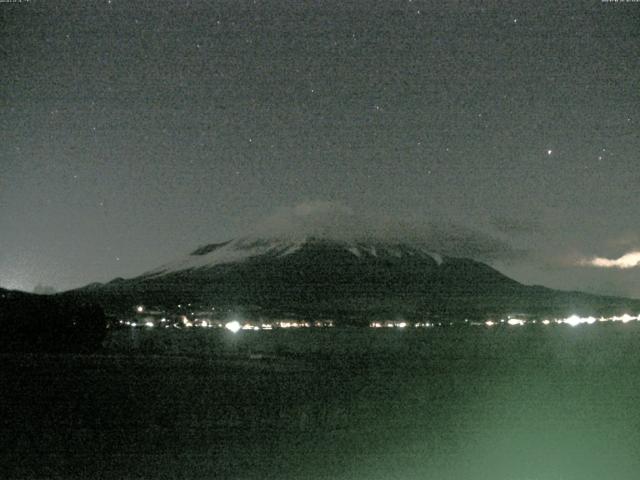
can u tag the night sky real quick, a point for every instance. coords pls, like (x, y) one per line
(132, 132)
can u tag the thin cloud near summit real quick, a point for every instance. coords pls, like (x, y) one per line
(336, 221)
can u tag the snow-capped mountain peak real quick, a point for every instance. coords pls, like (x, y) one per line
(243, 249)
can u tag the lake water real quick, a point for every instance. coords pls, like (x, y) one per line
(453, 403)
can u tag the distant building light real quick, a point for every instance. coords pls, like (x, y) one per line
(626, 318)
(139, 309)
(489, 323)
(573, 320)
(233, 326)
(149, 324)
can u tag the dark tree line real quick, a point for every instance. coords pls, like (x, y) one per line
(42, 323)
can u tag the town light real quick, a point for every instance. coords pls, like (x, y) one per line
(233, 326)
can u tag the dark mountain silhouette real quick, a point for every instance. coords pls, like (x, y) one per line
(47, 323)
(354, 281)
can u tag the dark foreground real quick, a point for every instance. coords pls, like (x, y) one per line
(516, 403)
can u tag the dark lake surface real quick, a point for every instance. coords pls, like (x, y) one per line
(512, 403)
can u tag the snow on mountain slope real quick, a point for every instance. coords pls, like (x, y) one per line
(227, 252)
(242, 249)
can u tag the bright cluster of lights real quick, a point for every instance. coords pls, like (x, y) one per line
(150, 318)
(573, 320)
(184, 322)
(399, 324)
(233, 326)
(293, 324)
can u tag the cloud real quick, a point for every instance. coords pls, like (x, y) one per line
(335, 221)
(317, 218)
(629, 260)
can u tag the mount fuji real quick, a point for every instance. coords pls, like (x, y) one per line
(347, 280)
